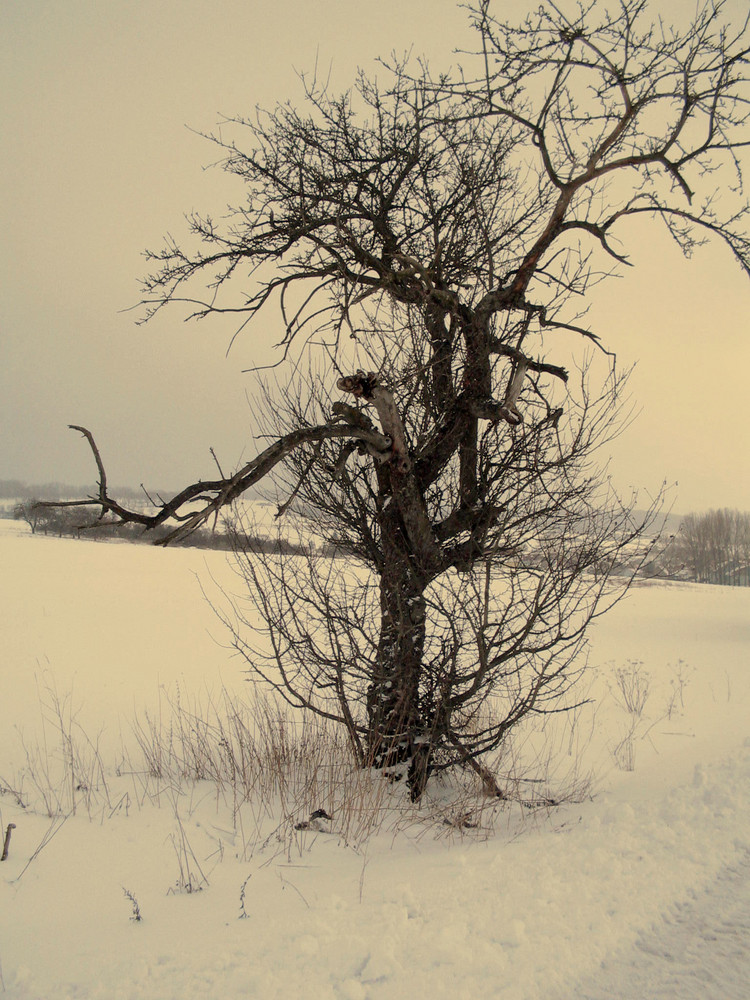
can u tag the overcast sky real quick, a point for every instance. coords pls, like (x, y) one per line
(98, 99)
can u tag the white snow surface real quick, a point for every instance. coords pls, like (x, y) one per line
(638, 890)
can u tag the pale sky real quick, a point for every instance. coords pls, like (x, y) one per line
(98, 162)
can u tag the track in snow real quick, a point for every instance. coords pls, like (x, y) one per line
(700, 952)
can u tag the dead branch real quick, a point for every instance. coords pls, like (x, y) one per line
(212, 495)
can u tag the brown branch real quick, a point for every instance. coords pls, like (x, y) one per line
(489, 782)
(404, 484)
(497, 346)
(513, 391)
(216, 494)
(599, 233)
(490, 409)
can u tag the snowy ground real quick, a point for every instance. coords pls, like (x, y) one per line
(638, 890)
(698, 953)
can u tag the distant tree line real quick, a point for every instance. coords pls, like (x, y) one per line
(716, 547)
(713, 547)
(68, 522)
(16, 489)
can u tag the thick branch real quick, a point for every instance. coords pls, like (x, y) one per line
(506, 350)
(404, 485)
(215, 494)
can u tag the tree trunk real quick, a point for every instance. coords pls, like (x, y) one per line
(411, 556)
(396, 730)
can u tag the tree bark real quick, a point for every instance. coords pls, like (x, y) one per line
(395, 726)
(411, 557)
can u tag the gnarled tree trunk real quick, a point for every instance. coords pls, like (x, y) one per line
(411, 557)
(395, 725)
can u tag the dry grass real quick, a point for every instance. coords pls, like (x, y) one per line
(275, 769)
(631, 691)
(632, 687)
(268, 770)
(64, 772)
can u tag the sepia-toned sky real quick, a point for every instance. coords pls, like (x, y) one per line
(100, 101)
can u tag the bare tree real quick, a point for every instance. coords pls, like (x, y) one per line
(29, 512)
(428, 241)
(497, 634)
(715, 547)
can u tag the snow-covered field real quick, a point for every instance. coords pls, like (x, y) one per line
(639, 889)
